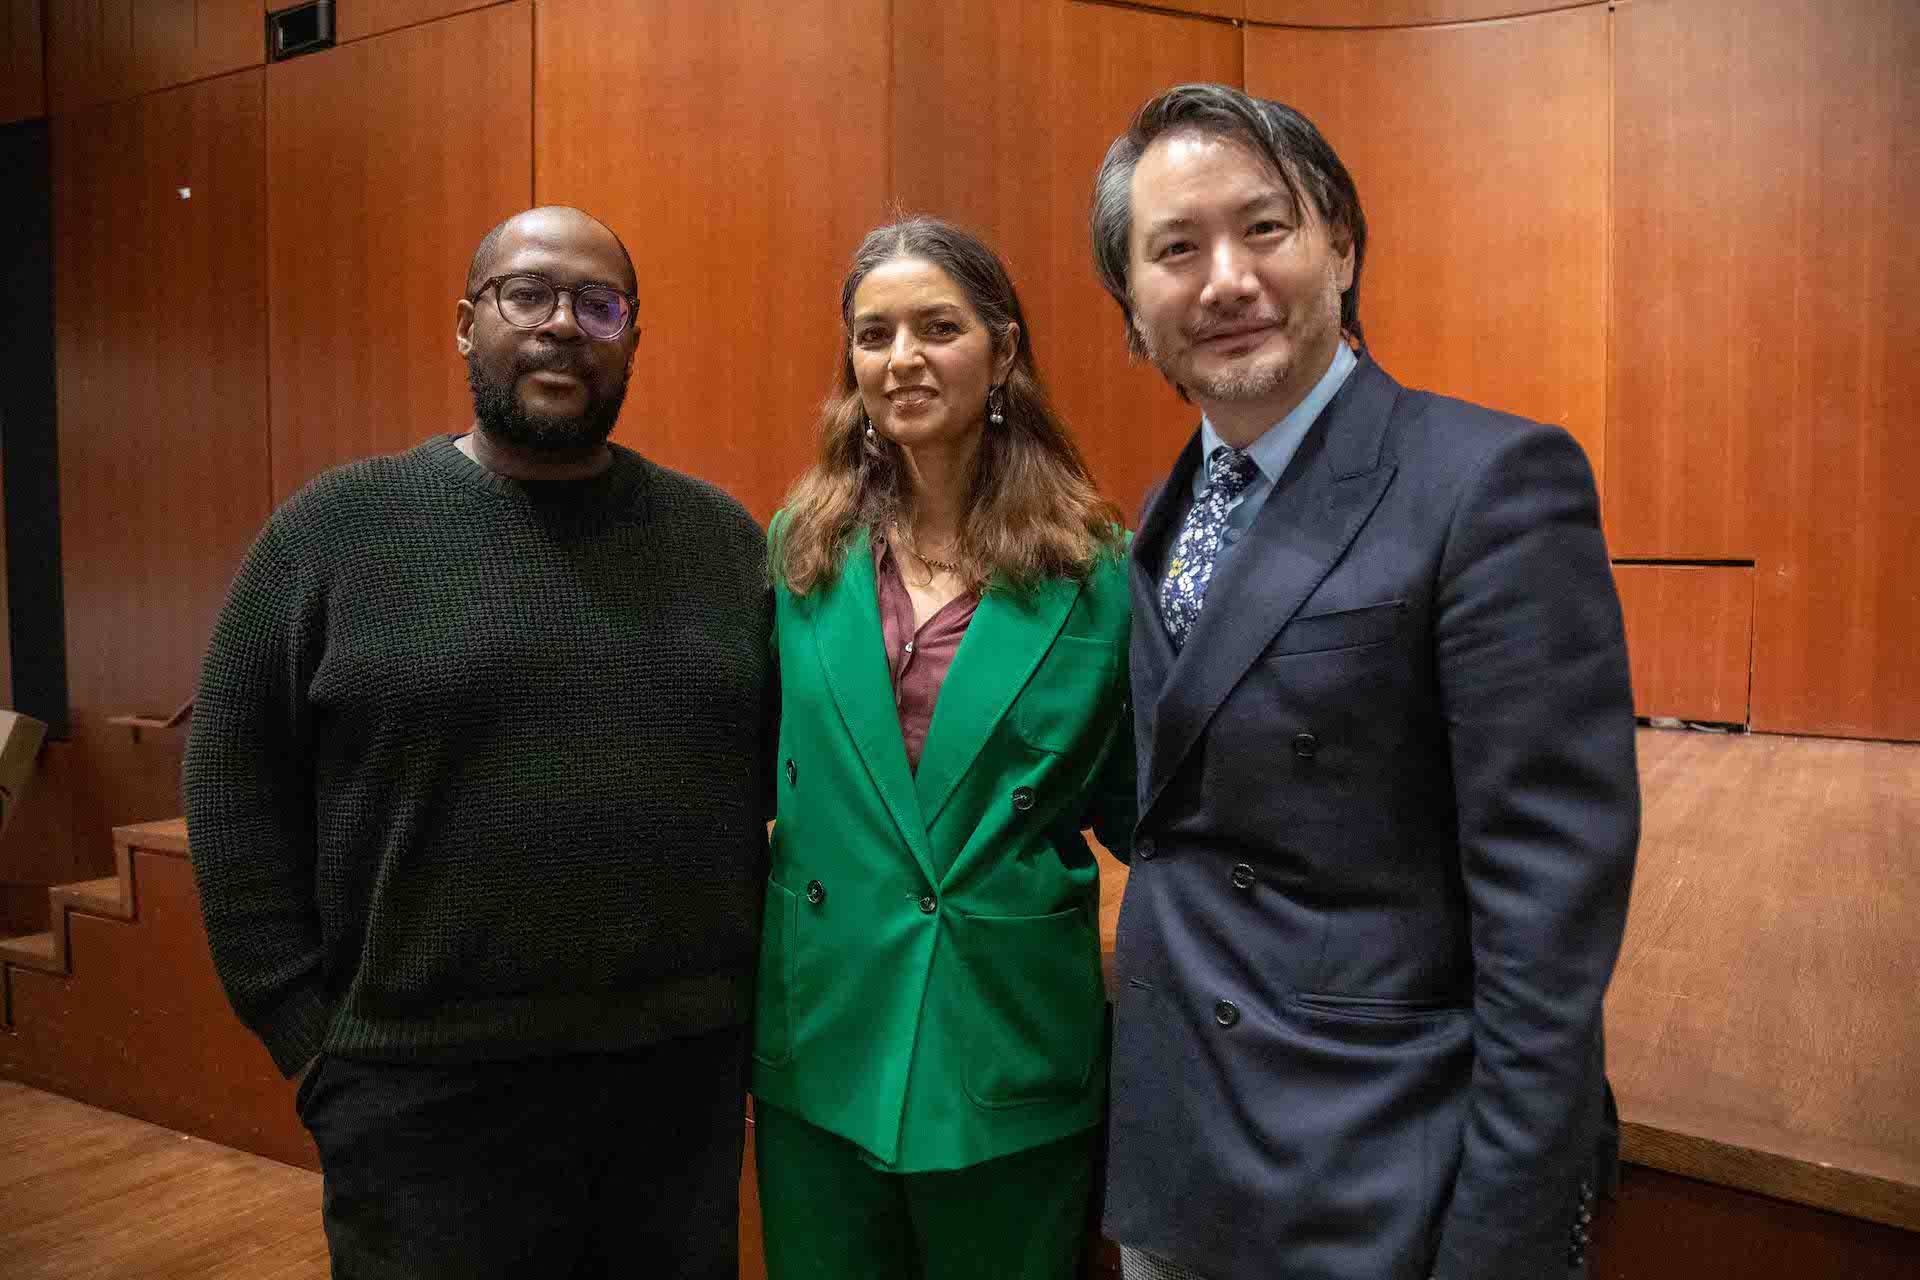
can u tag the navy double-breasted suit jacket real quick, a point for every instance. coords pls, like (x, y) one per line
(1388, 813)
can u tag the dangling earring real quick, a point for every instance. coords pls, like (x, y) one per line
(873, 437)
(994, 415)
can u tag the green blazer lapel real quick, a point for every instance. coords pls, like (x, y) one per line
(853, 656)
(1005, 641)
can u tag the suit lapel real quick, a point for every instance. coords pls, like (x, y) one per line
(1328, 491)
(853, 655)
(1151, 656)
(1008, 636)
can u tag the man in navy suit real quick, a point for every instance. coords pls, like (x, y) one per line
(1388, 800)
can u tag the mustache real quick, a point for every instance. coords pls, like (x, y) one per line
(546, 360)
(1214, 325)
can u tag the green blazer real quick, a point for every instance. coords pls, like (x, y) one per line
(930, 969)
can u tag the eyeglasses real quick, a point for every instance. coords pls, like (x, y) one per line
(529, 301)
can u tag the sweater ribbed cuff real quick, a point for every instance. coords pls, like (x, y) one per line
(296, 1027)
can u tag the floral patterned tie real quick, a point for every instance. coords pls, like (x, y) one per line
(1190, 567)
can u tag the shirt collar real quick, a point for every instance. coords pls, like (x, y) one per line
(1275, 447)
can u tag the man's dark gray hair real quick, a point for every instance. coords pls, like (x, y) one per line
(1273, 131)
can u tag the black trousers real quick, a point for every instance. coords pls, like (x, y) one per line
(600, 1165)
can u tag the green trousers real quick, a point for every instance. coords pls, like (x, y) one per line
(826, 1214)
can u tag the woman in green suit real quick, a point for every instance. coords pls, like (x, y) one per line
(951, 629)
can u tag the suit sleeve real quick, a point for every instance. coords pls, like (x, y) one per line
(249, 791)
(1532, 663)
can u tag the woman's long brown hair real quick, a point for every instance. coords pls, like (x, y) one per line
(1032, 511)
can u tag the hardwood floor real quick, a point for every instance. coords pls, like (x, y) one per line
(86, 1194)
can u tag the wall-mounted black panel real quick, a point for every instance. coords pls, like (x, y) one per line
(298, 29)
(36, 609)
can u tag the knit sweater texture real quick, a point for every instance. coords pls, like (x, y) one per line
(478, 767)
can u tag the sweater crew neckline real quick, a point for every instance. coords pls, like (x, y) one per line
(611, 489)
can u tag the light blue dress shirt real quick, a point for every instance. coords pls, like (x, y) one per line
(1272, 451)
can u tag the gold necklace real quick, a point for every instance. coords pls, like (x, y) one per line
(945, 566)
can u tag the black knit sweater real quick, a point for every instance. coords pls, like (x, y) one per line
(476, 765)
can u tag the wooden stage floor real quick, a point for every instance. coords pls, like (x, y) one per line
(1763, 1019)
(86, 1194)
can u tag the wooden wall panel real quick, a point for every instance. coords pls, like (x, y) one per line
(1480, 152)
(740, 151)
(358, 19)
(1766, 361)
(109, 50)
(1663, 1227)
(388, 161)
(22, 61)
(1396, 13)
(1209, 8)
(1689, 638)
(231, 34)
(1002, 114)
(160, 309)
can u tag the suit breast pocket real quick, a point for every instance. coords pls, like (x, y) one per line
(1065, 699)
(1339, 629)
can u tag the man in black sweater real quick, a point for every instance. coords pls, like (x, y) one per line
(476, 795)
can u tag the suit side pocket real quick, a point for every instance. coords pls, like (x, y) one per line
(1035, 984)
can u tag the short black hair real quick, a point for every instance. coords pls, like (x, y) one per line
(487, 252)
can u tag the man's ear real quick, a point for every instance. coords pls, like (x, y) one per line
(463, 313)
(1342, 244)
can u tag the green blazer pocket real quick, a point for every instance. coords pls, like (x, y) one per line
(1068, 695)
(773, 1002)
(1033, 984)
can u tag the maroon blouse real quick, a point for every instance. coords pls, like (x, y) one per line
(918, 659)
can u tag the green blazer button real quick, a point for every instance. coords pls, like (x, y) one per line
(816, 892)
(1022, 799)
(928, 906)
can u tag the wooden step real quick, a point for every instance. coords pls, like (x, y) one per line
(34, 951)
(107, 896)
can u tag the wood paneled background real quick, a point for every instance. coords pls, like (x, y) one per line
(1480, 151)
(1672, 226)
(748, 158)
(22, 61)
(1766, 356)
(372, 216)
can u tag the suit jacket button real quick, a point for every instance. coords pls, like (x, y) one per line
(1242, 876)
(1143, 848)
(793, 774)
(1022, 799)
(1225, 1013)
(928, 905)
(816, 892)
(1305, 745)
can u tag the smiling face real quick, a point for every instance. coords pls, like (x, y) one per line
(922, 358)
(1235, 287)
(551, 388)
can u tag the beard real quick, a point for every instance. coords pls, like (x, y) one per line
(501, 414)
(1250, 378)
